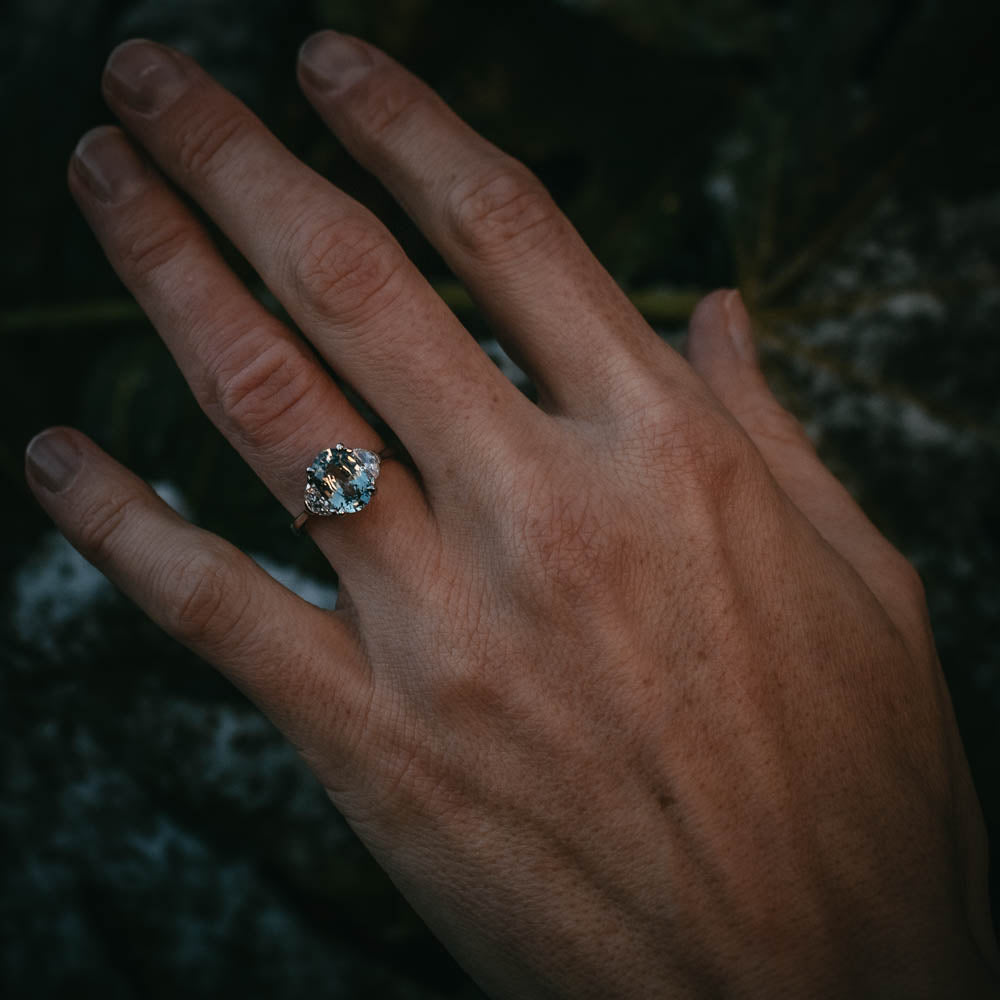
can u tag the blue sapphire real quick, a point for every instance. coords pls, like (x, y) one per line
(341, 480)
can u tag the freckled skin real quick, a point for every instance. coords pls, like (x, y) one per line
(625, 693)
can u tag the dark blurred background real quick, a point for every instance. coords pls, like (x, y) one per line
(839, 162)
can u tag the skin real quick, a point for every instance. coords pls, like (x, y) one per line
(624, 691)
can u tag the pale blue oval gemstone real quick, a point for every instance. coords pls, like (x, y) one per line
(341, 480)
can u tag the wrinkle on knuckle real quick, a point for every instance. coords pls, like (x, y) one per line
(348, 269)
(207, 142)
(260, 394)
(206, 606)
(667, 433)
(696, 449)
(146, 251)
(722, 466)
(502, 213)
(100, 523)
(384, 106)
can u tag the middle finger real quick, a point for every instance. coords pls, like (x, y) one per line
(335, 267)
(254, 378)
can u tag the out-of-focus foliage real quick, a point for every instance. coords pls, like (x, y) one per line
(838, 162)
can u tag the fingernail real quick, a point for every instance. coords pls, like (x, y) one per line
(108, 165)
(330, 60)
(738, 327)
(144, 75)
(53, 460)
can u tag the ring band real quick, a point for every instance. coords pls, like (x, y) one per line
(340, 481)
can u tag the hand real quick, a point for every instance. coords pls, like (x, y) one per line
(624, 691)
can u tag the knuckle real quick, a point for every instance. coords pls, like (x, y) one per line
(469, 688)
(260, 394)
(146, 251)
(347, 268)
(503, 213)
(100, 524)
(387, 105)
(208, 140)
(719, 459)
(205, 604)
(695, 448)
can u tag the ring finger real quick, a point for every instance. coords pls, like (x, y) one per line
(335, 267)
(255, 379)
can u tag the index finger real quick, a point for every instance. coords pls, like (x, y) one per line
(553, 304)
